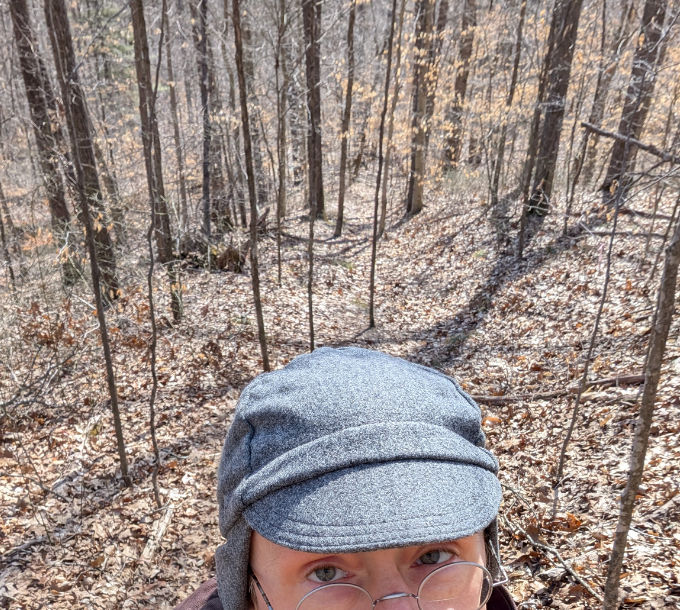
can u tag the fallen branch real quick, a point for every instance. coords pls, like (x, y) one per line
(503, 400)
(549, 549)
(154, 541)
(641, 214)
(627, 234)
(36, 482)
(652, 150)
(608, 382)
(662, 510)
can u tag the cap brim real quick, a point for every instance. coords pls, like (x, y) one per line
(377, 506)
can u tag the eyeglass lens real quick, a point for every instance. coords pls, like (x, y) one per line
(457, 586)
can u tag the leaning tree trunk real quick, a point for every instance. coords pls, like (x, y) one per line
(424, 25)
(81, 143)
(567, 13)
(47, 145)
(648, 54)
(657, 345)
(311, 14)
(347, 115)
(454, 115)
(152, 154)
(252, 193)
(87, 186)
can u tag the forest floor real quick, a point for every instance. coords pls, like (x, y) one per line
(447, 297)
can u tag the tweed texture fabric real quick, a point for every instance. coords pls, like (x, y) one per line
(347, 450)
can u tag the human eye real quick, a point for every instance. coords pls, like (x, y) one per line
(434, 557)
(326, 574)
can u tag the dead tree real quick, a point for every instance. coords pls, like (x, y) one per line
(79, 123)
(87, 187)
(48, 150)
(243, 96)
(152, 153)
(311, 15)
(648, 54)
(567, 14)
(346, 117)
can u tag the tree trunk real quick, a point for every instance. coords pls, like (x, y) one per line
(648, 54)
(424, 25)
(88, 190)
(199, 17)
(281, 109)
(152, 152)
(243, 95)
(179, 152)
(657, 345)
(604, 80)
(374, 246)
(567, 13)
(346, 117)
(390, 124)
(81, 144)
(454, 115)
(498, 166)
(434, 65)
(46, 141)
(311, 14)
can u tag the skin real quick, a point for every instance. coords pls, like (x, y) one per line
(287, 575)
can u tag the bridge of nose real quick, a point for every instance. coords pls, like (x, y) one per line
(403, 601)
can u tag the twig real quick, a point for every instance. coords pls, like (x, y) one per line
(608, 382)
(552, 550)
(502, 400)
(36, 482)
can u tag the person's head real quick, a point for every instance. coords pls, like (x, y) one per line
(349, 476)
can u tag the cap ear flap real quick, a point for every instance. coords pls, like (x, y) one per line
(493, 559)
(231, 562)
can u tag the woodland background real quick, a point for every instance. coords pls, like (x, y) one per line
(192, 192)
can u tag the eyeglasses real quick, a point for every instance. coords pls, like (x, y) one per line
(462, 585)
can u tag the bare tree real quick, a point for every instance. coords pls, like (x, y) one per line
(378, 181)
(87, 186)
(79, 127)
(648, 53)
(152, 152)
(243, 95)
(567, 15)
(454, 115)
(33, 77)
(311, 15)
(346, 117)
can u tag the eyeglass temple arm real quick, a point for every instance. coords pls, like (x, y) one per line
(261, 590)
(504, 575)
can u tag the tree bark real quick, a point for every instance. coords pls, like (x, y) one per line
(82, 150)
(152, 153)
(657, 345)
(311, 14)
(346, 117)
(567, 14)
(46, 141)
(454, 115)
(648, 54)
(424, 25)
(5, 246)
(243, 95)
(89, 192)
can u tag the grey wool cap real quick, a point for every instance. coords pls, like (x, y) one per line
(347, 450)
